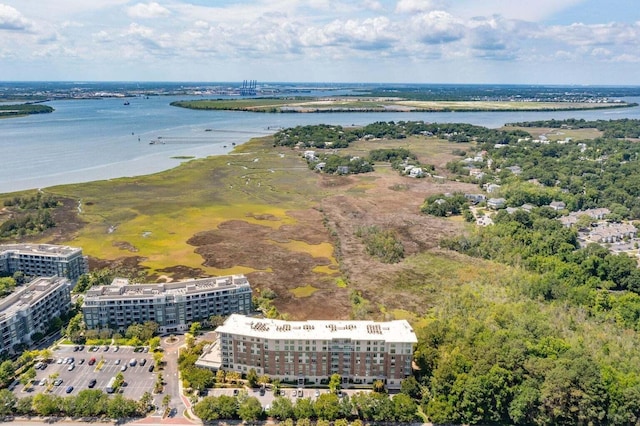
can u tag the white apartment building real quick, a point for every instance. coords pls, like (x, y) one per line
(311, 351)
(174, 306)
(30, 309)
(43, 260)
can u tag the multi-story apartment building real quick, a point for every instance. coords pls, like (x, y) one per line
(30, 309)
(311, 351)
(172, 305)
(43, 260)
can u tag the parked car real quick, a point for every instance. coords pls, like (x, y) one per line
(81, 348)
(92, 383)
(123, 368)
(235, 392)
(81, 361)
(76, 348)
(317, 393)
(69, 389)
(71, 367)
(116, 349)
(143, 361)
(294, 393)
(106, 348)
(151, 367)
(117, 362)
(60, 360)
(92, 361)
(58, 382)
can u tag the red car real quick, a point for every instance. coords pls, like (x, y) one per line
(92, 361)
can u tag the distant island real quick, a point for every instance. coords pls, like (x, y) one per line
(23, 109)
(394, 104)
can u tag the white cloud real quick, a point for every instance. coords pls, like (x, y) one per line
(12, 19)
(418, 6)
(437, 27)
(148, 10)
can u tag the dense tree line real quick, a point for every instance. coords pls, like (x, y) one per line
(87, 403)
(543, 245)
(622, 128)
(29, 215)
(27, 224)
(326, 136)
(363, 406)
(315, 136)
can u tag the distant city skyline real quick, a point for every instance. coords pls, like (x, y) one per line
(583, 42)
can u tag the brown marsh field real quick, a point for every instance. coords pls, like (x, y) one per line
(262, 212)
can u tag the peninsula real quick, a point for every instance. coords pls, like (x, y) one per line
(391, 104)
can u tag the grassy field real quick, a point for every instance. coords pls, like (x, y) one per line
(380, 104)
(260, 211)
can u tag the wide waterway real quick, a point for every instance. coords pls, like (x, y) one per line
(87, 140)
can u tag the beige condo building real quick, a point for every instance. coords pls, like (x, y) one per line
(311, 351)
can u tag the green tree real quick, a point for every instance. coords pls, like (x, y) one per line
(195, 328)
(154, 343)
(24, 405)
(90, 402)
(303, 409)
(28, 375)
(404, 408)
(281, 408)
(76, 328)
(227, 407)
(250, 409)
(46, 404)
(334, 383)
(252, 378)
(327, 406)
(7, 371)
(411, 387)
(7, 402)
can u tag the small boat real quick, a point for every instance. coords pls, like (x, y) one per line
(208, 130)
(126, 103)
(233, 143)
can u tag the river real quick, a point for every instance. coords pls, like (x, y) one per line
(87, 140)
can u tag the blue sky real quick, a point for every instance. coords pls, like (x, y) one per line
(406, 41)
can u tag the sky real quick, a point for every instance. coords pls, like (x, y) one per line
(581, 42)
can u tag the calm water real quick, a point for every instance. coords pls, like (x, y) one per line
(86, 140)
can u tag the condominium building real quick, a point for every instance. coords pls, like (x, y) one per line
(311, 351)
(31, 308)
(43, 260)
(174, 306)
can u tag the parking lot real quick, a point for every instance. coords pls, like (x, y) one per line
(77, 368)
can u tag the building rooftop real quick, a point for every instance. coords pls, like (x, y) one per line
(390, 331)
(120, 287)
(25, 296)
(39, 249)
